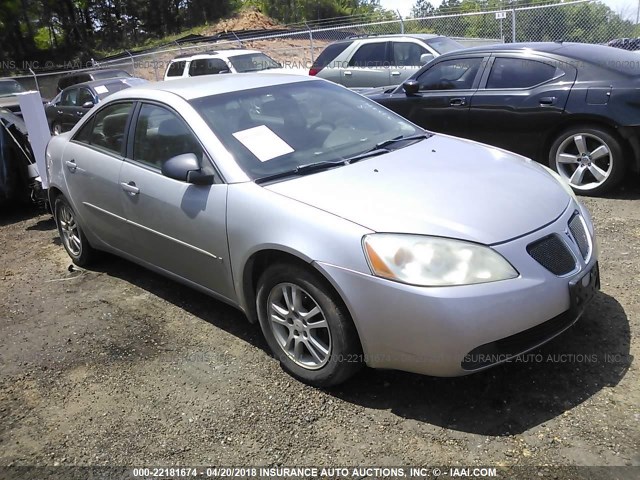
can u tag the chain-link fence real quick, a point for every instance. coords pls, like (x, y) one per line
(297, 45)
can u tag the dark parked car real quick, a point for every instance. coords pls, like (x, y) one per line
(64, 111)
(8, 99)
(572, 106)
(81, 77)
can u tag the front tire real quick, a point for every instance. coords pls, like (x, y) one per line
(590, 159)
(306, 326)
(71, 235)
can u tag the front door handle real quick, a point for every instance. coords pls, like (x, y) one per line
(458, 102)
(395, 73)
(130, 188)
(71, 165)
(347, 73)
(547, 100)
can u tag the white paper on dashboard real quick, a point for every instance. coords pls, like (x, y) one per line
(101, 89)
(263, 142)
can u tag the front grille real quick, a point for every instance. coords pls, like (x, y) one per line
(553, 254)
(577, 229)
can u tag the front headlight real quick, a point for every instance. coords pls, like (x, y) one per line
(434, 261)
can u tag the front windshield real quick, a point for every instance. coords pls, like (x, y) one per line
(444, 45)
(253, 62)
(275, 129)
(10, 87)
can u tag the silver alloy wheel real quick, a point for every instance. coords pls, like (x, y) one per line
(57, 129)
(69, 230)
(584, 161)
(299, 326)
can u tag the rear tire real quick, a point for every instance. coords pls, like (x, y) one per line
(71, 235)
(306, 326)
(590, 159)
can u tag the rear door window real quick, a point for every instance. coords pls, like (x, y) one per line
(207, 66)
(176, 69)
(106, 129)
(370, 55)
(520, 73)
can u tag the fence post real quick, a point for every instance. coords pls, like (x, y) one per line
(310, 41)
(133, 64)
(401, 22)
(513, 22)
(36, 79)
(155, 65)
(239, 41)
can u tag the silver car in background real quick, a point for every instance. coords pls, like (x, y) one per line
(351, 235)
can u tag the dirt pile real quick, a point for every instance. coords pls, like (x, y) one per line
(248, 19)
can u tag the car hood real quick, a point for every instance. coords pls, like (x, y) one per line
(440, 186)
(289, 70)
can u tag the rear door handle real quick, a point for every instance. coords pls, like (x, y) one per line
(395, 73)
(130, 188)
(458, 102)
(547, 100)
(71, 165)
(347, 73)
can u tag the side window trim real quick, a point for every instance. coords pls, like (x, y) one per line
(485, 77)
(131, 132)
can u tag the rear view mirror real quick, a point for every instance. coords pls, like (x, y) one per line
(186, 168)
(411, 87)
(87, 104)
(426, 58)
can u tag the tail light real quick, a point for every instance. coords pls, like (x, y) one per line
(314, 71)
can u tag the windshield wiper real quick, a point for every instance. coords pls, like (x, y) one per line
(400, 138)
(380, 147)
(301, 170)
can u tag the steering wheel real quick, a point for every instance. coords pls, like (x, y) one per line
(320, 123)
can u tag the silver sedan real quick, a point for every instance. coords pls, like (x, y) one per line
(352, 236)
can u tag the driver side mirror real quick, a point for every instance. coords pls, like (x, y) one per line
(88, 104)
(411, 87)
(426, 58)
(186, 168)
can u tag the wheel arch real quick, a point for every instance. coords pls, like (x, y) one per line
(258, 262)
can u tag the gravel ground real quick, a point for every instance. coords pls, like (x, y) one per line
(119, 366)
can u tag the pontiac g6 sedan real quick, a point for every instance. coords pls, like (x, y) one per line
(351, 235)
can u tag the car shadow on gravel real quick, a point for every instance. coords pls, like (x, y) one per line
(629, 189)
(212, 311)
(16, 212)
(516, 396)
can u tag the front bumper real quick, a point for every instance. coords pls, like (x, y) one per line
(451, 331)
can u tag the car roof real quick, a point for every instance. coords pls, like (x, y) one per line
(89, 72)
(419, 36)
(203, 86)
(215, 54)
(95, 83)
